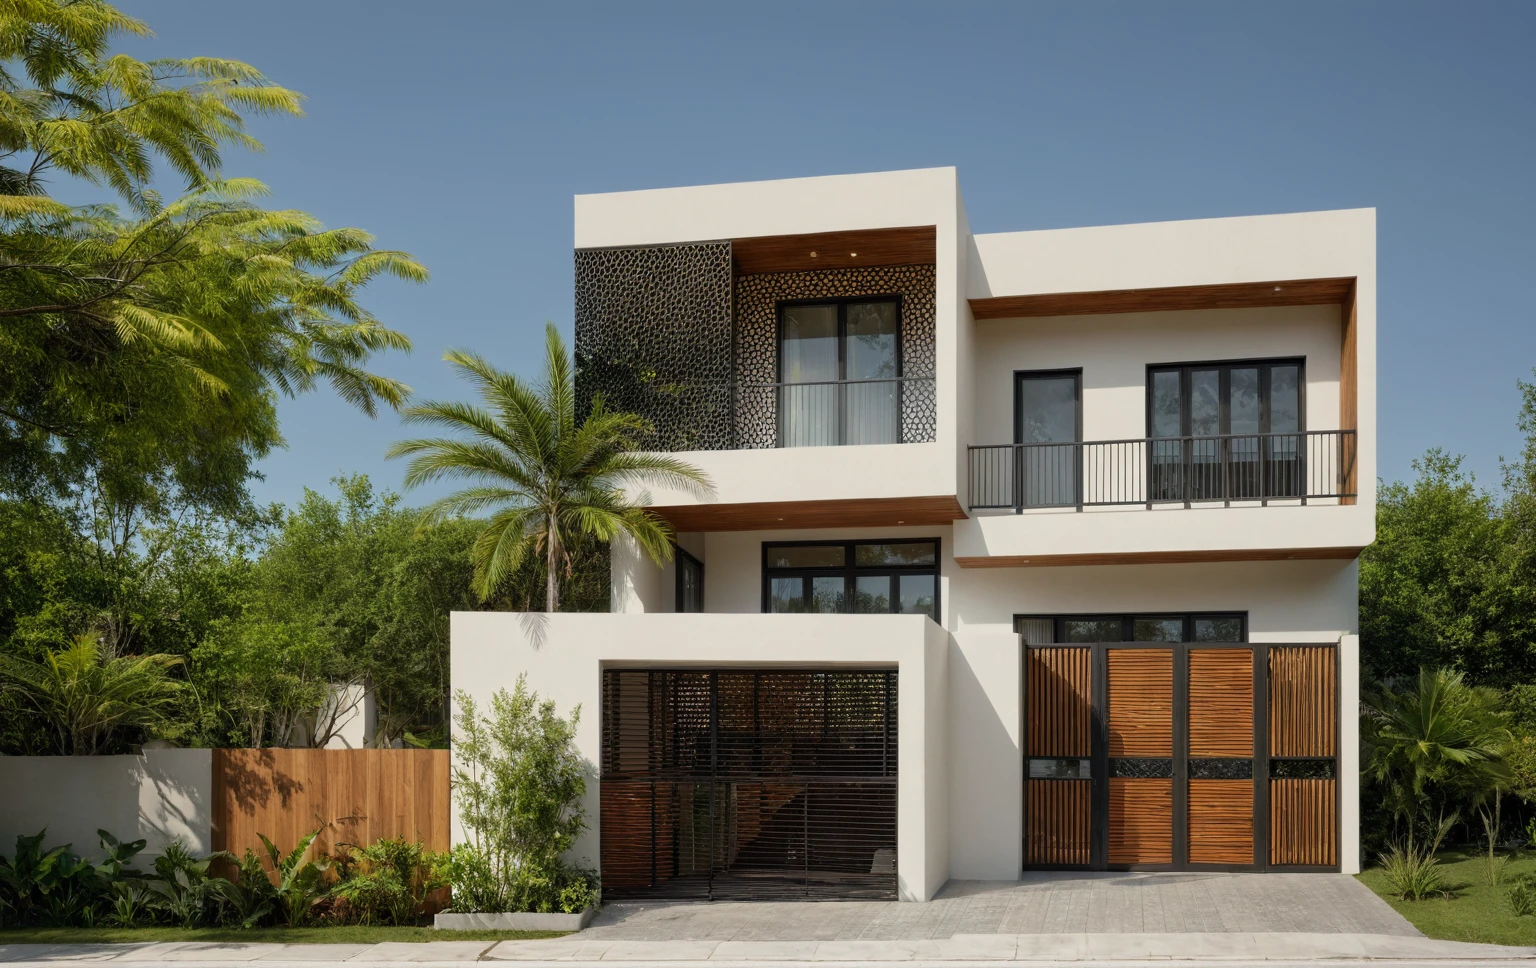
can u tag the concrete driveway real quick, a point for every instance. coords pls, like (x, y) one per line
(1042, 903)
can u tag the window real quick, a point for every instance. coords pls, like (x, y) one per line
(1226, 431)
(1047, 426)
(690, 582)
(1223, 627)
(897, 575)
(839, 369)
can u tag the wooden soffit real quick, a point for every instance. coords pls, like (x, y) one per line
(771, 515)
(911, 245)
(1237, 295)
(1161, 557)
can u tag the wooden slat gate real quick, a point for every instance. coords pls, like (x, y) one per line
(1149, 756)
(748, 784)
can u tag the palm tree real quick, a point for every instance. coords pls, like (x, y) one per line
(1436, 745)
(545, 477)
(85, 694)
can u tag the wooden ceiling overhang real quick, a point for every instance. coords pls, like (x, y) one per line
(907, 245)
(882, 512)
(1161, 557)
(1236, 295)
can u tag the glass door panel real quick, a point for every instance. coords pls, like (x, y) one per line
(1286, 472)
(1243, 419)
(872, 412)
(1205, 429)
(1049, 425)
(809, 365)
(1166, 457)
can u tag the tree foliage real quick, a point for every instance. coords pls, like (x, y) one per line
(546, 478)
(1451, 579)
(143, 350)
(86, 695)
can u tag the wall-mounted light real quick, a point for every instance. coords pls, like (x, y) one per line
(854, 255)
(813, 255)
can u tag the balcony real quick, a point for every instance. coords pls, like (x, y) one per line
(1246, 469)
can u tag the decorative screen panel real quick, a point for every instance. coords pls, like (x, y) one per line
(757, 341)
(653, 336)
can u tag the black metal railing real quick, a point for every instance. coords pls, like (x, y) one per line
(1310, 465)
(897, 410)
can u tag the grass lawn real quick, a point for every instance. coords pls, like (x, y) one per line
(337, 934)
(1474, 911)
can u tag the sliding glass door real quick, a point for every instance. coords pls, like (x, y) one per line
(839, 369)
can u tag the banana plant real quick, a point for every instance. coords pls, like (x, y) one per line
(300, 883)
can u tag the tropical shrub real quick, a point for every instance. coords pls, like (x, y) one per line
(299, 884)
(85, 694)
(390, 880)
(1522, 897)
(183, 890)
(1434, 746)
(55, 886)
(519, 782)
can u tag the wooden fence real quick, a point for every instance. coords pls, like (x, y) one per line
(358, 796)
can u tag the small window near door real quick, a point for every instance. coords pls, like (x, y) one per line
(690, 582)
(866, 577)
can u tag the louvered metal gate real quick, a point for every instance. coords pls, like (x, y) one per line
(1150, 756)
(736, 784)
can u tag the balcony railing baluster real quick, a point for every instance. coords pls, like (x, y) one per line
(1302, 466)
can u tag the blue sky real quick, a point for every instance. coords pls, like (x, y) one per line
(460, 131)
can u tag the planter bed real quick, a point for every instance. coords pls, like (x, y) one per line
(513, 921)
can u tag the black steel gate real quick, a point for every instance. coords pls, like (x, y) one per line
(737, 784)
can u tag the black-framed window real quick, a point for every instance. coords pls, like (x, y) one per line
(893, 575)
(1047, 426)
(1223, 627)
(690, 582)
(1231, 430)
(839, 369)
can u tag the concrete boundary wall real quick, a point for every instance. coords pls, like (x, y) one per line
(159, 795)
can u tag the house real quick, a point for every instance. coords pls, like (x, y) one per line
(1027, 550)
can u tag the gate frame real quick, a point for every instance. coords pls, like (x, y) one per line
(891, 676)
(1098, 825)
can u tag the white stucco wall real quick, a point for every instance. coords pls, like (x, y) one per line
(1351, 859)
(564, 654)
(797, 206)
(160, 796)
(1197, 252)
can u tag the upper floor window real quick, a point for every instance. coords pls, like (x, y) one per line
(1226, 431)
(839, 364)
(857, 576)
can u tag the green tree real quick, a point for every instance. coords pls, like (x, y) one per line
(546, 477)
(86, 695)
(142, 352)
(1433, 588)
